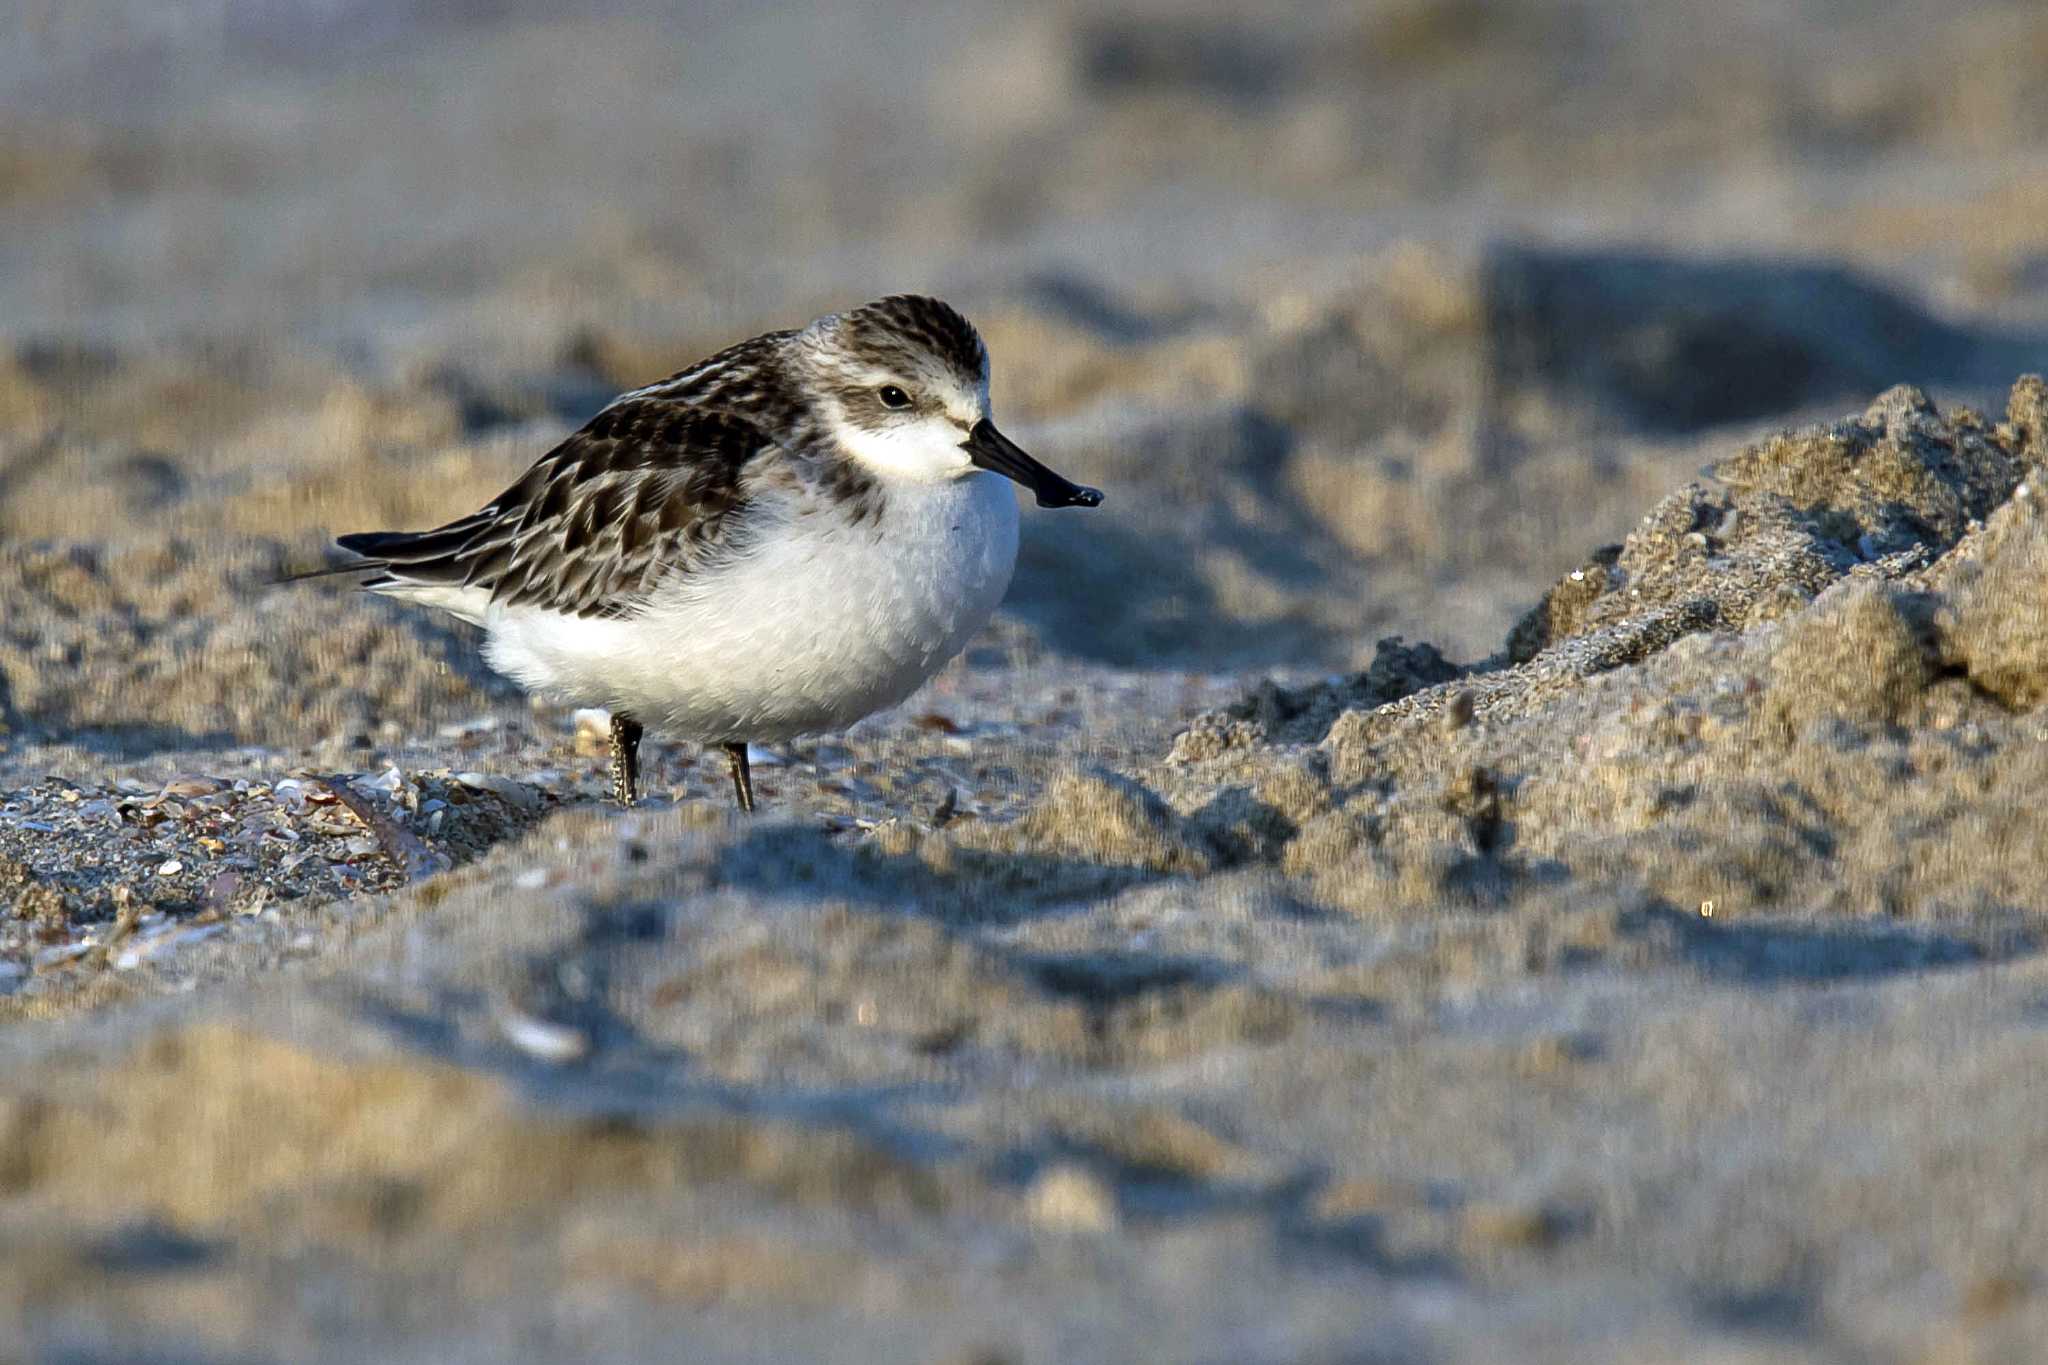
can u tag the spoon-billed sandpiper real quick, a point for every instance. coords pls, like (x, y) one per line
(778, 540)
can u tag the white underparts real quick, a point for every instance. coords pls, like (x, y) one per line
(818, 622)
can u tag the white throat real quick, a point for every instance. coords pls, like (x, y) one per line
(928, 451)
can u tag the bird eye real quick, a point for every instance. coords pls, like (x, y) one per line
(892, 397)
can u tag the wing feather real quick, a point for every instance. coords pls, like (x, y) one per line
(649, 485)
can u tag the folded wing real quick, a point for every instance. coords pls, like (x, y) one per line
(649, 484)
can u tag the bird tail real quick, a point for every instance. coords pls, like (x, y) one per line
(416, 566)
(328, 571)
(370, 549)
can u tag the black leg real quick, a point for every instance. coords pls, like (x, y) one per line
(742, 776)
(625, 760)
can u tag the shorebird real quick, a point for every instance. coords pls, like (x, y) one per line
(779, 540)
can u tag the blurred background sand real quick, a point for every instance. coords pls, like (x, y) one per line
(330, 250)
(1372, 319)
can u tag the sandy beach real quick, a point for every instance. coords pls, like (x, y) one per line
(1513, 834)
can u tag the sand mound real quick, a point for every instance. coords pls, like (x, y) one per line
(1720, 714)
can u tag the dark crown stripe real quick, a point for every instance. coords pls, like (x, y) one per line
(913, 322)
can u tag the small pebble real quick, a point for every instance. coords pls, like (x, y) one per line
(170, 869)
(1071, 1198)
(386, 783)
(542, 1040)
(190, 786)
(593, 730)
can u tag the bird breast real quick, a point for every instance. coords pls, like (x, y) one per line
(822, 619)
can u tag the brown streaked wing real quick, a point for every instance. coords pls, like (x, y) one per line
(648, 483)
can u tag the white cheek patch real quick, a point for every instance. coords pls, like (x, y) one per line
(924, 450)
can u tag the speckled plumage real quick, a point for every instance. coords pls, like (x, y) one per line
(793, 533)
(662, 479)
